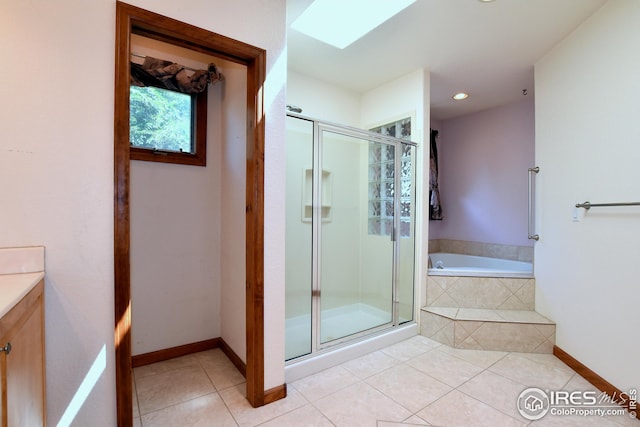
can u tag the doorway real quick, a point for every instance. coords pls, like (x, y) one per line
(130, 19)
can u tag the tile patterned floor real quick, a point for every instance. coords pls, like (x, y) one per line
(417, 382)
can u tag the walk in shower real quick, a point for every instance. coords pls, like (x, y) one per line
(350, 235)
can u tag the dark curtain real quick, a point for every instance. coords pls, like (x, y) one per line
(169, 75)
(435, 210)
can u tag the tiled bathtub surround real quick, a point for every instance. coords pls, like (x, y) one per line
(481, 292)
(491, 250)
(481, 329)
(485, 313)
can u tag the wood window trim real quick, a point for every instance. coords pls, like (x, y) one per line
(199, 129)
(167, 29)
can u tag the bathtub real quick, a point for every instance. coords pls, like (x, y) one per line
(445, 264)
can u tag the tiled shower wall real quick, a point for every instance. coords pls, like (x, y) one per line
(492, 250)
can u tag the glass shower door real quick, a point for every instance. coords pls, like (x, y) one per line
(355, 204)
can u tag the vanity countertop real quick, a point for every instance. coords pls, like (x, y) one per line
(13, 287)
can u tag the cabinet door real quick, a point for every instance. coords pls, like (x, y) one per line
(25, 373)
(3, 388)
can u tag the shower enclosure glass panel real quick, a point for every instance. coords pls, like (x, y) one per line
(298, 241)
(356, 266)
(350, 234)
(405, 261)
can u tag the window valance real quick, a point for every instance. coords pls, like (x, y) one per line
(170, 75)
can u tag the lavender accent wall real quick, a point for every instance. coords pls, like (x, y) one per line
(483, 159)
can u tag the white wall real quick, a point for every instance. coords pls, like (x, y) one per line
(323, 101)
(56, 145)
(232, 205)
(483, 160)
(175, 255)
(587, 133)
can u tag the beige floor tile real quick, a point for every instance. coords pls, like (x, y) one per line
(161, 390)
(480, 358)
(202, 411)
(496, 391)
(625, 420)
(541, 372)
(324, 383)
(409, 387)
(307, 416)
(360, 405)
(444, 367)
(413, 347)
(370, 364)
(547, 360)
(219, 368)
(456, 409)
(414, 375)
(246, 415)
(573, 421)
(416, 421)
(136, 408)
(402, 424)
(577, 382)
(166, 366)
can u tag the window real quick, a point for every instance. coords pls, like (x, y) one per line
(161, 120)
(168, 126)
(382, 181)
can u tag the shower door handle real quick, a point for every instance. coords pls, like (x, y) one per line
(530, 224)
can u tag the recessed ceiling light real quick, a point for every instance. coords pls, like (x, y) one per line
(485, 1)
(459, 96)
(340, 23)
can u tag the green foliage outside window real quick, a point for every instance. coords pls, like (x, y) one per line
(160, 119)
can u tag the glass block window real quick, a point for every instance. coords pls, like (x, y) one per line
(382, 181)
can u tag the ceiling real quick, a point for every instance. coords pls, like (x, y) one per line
(485, 49)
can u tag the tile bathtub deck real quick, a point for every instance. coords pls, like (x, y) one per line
(490, 315)
(417, 382)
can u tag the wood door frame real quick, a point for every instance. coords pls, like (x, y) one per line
(175, 32)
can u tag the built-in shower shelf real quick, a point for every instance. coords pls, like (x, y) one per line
(489, 329)
(325, 195)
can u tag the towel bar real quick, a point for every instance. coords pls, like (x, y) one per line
(531, 220)
(589, 205)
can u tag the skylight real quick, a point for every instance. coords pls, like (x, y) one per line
(340, 23)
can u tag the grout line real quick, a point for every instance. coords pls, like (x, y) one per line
(213, 384)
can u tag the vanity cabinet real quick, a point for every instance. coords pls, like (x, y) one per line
(22, 362)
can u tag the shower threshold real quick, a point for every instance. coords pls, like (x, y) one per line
(331, 356)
